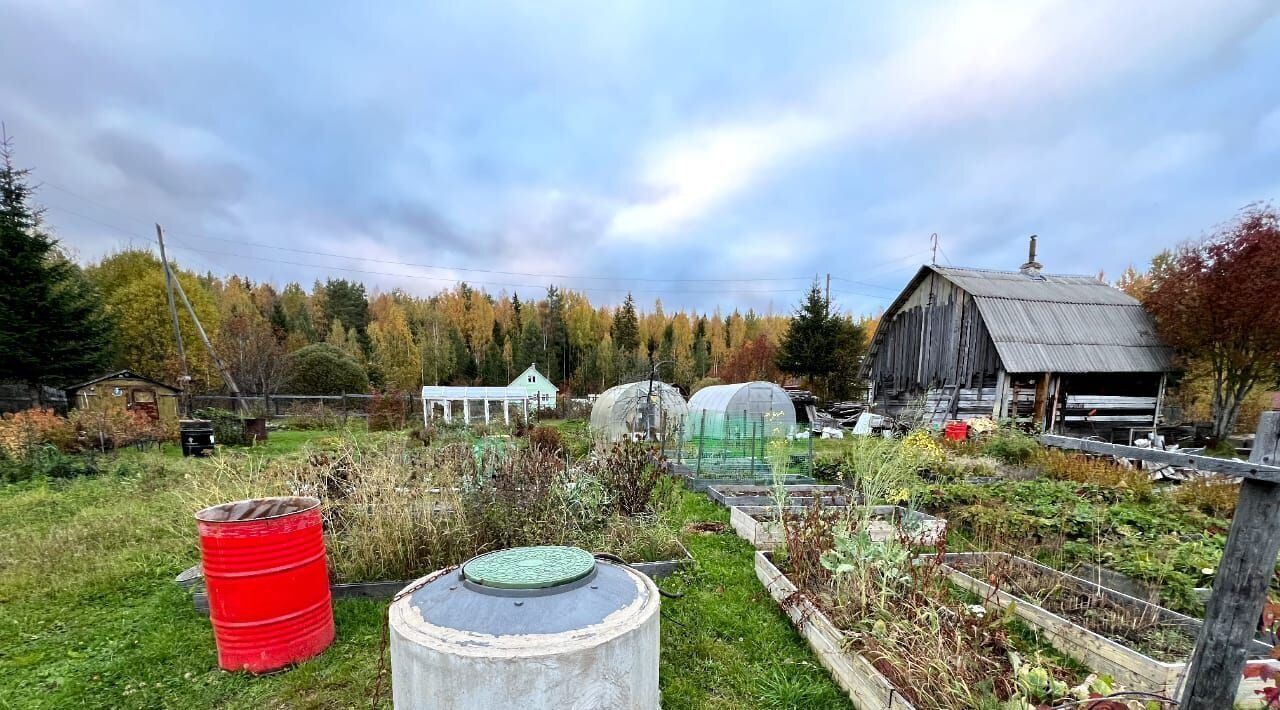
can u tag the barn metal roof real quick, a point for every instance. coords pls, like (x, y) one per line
(1058, 323)
(1055, 288)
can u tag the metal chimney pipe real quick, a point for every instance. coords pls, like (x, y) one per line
(1032, 267)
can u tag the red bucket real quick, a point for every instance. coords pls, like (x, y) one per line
(956, 431)
(268, 585)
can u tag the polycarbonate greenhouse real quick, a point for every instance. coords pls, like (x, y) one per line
(720, 411)
(743, 430)
(624, 411)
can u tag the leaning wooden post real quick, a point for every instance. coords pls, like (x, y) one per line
(1240, 587)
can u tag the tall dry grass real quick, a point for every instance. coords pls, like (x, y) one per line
(393, 511)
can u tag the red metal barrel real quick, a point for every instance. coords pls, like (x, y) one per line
(267, 580)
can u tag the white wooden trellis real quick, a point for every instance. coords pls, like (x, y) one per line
(446, 396)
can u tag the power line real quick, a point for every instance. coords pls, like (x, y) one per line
(99, 222)
(263, 245)
(183, 246)
(444, 279)
(496, 272)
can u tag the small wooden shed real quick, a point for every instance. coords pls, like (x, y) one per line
(128, 390)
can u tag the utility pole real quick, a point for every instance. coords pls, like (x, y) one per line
(648, 402)
(934, 239)
(217, 361)
(828, 291)
(173, 313)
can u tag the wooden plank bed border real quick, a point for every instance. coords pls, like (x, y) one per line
(768, 536)
(866, 686)
(730, 495)
(1131, 669)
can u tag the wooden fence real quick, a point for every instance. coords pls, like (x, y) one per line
(277, 406)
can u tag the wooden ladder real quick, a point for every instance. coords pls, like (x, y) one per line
(944, 405)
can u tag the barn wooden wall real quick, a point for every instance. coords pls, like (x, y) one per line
(935, 339)
(934, 360)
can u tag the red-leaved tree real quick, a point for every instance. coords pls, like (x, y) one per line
(1219, 301)
(755, 360)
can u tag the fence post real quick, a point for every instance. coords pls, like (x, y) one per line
(753, 448)
(810, 452)
(702, 438)
(1240, 587)
(343, 402)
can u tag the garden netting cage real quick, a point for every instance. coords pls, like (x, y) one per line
(744, 430)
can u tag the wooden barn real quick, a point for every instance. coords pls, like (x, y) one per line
(130, 391)
(1068, 353)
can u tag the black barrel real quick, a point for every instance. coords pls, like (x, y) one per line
(196, 436)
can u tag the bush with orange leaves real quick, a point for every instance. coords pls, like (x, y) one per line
(23, 432)
(108, 428)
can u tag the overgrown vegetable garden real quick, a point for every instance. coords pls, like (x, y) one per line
(872, 572)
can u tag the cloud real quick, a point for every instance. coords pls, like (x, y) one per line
(422, 225)
(194, 178)
(1171, 153)
(694, 173)
(980, 60)
(705, 140)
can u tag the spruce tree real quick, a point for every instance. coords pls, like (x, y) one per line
(809, 346)
(531, 346)
(850, 344)
(53, 329)
(559, 362)
(626, 327)
(517, 329)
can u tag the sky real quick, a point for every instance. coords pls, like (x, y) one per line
(706, 153)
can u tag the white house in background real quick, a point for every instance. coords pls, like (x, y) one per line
(542, 393)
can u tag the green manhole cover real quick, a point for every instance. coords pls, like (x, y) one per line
(529, 567)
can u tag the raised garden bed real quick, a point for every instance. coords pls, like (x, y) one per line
(193, 580)
(1144, 647)
(699, 482)
(866, 686)
(758, 525)
(797, 494)
(1125, 584)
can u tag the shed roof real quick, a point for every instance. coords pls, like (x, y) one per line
(121, 375)
(1058, 323)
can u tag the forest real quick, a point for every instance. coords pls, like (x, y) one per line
(337, 336)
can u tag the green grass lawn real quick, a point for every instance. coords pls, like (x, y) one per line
(90, 616)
